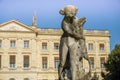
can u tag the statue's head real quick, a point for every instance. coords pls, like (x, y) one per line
(69, 11)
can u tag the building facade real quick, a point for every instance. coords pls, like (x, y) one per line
(31, 53)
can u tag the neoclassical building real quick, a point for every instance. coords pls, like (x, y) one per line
(32, 53)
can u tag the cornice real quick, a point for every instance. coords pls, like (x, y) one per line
(2, 31)
(54, 31)
(98, 35)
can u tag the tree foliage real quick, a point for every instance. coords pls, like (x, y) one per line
(113, 65)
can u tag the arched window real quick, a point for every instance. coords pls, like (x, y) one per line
(26, 79)
(12, 79)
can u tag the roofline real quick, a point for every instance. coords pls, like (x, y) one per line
(17, 23)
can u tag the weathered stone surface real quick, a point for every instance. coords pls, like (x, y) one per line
(72, 46)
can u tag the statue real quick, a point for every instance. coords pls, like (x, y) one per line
(72, 46)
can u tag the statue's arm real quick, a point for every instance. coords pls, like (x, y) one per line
(82, 21)
(66, 28)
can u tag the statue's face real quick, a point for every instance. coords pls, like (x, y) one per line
(69, 11)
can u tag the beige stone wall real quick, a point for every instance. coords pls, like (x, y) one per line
(36, 36)
(18, 75)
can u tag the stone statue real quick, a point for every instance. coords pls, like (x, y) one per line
(72, 46)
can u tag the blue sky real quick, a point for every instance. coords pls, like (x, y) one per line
(100, 14)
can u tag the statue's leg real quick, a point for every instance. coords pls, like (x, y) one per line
(73, 61)
(85, 55)
(84, 49)
(63, 55)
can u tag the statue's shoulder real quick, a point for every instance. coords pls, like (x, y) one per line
(75, 21)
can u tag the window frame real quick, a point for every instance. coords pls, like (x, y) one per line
(102, 61)
(92, 66)
(44, 45)
(0, 43)
(0, 61)
(26, 43)
(26, 79)
(12, 79)
(56, 62)
(56, 46)
(101, 46)
(90, 46)
(44, 62)
(12, 61)
(26, 61)
(12, 43)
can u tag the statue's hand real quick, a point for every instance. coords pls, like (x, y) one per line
(83, 19)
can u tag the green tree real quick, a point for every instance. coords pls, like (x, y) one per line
(113, 65)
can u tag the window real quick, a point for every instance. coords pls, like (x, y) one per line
(90, 46)
(11, 79)
(56, 62)
(26, 78)
(0, 61)
(0, 43)
(44, 62)
(26, 61)
(26, 44)
(12, 61)
(92, 62)
(44, 46)
(56, 46)
(12, 44)
(102, 61)
(101, 47)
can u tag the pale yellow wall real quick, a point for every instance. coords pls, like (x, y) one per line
(35, 52)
